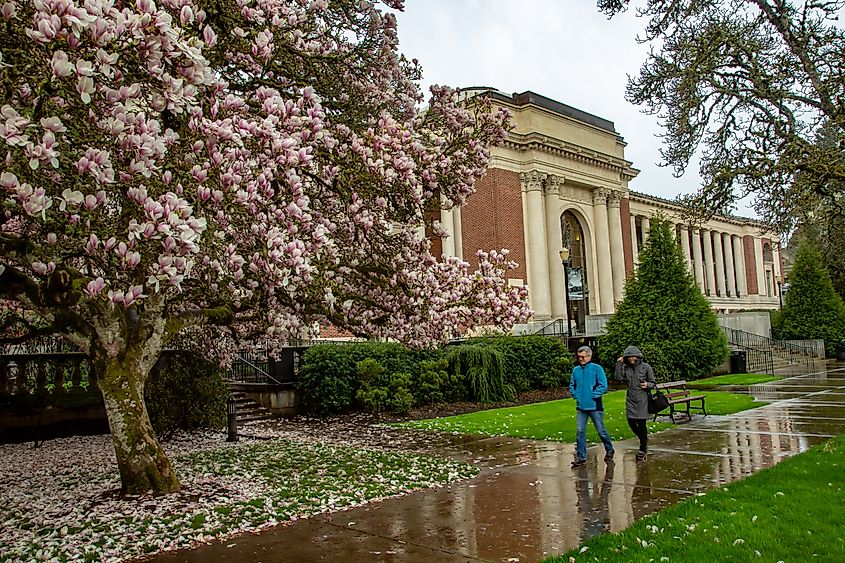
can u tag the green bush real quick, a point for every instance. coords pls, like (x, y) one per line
(185, 392)
(329, 378)
(400, 399)
(437, 385)
(811, 308)
(483, 371)
(665, 314)
(531, 362)
(371, 395)
(379, 392)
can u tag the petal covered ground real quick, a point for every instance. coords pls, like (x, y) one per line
(60, 500)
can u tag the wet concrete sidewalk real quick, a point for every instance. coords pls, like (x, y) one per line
(527, 503)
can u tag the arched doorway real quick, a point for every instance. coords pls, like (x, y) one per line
(575, 270)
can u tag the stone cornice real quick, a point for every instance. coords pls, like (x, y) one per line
(669, 205)
(571, 151)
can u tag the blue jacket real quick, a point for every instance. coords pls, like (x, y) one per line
(587, 384)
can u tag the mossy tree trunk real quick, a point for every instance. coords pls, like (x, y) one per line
(143, 465)
(125, 352)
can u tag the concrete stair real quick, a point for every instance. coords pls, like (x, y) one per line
(249, 410)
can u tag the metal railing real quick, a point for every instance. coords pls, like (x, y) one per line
(789, 352)
(557, 328)
(252, 367)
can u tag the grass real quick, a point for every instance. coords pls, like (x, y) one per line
(732, 379)
(794, 511)
(555, 420)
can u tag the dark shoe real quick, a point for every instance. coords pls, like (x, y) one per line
(608, 457)
(641, 456)
(579, 463)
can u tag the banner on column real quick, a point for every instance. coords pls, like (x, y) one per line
(576, 284)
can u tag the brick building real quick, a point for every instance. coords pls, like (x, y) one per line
(561, 181)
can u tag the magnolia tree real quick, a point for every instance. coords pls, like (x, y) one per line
(238, 170)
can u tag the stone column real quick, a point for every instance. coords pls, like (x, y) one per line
(719, 257)
(698, 261)
(761, 267)
(456, 229)
(707, 243)
(449, 225)
(555, 243)
(739, 265)
(617, 251)
(602, 238)
(634, 249)
(538, 264)
(683, 233)
(645, 222)
(727, 244)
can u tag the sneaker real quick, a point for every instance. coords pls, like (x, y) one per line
(609, 456)
(579, 463)
(641, 456)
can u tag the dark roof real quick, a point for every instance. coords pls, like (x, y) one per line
(529, 97)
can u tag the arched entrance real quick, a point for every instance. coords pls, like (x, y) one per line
(575, 271)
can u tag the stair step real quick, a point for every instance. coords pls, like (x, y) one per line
(254, 418)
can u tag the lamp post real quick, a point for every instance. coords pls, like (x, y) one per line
(779, 283)
(232, 418)
(564, 259)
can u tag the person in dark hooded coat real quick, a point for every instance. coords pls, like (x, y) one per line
(639, 378)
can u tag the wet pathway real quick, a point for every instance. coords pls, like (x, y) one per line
(527, 503)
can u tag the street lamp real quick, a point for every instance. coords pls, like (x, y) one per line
(564, 259)
(779, 283)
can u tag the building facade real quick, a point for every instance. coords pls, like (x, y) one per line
(561, 181)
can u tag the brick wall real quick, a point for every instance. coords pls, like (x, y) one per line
(492, 219)
(750, 265)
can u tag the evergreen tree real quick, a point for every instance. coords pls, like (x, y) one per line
(665, 314)
(812, 308)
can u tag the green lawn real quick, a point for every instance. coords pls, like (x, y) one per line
(794, 511)
(555, 420)
(733, 379)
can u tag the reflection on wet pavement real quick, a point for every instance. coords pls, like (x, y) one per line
(528, 503)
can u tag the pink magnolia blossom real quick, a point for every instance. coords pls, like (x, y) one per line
(187, 175)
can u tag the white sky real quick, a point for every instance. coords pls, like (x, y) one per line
(562, 49)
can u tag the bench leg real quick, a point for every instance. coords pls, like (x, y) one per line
(672, 413)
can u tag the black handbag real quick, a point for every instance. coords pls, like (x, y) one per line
(657, 401)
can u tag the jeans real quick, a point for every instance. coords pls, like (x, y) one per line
(581, 437)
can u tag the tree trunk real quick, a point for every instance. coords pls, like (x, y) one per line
(143, 465)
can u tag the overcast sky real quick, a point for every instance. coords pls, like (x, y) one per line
(563, 49)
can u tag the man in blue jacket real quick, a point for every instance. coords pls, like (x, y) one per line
(587, 384)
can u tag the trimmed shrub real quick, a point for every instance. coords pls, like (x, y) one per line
(329, 377)
(437, 385)
(185, 392)
(665, 314)
(811, 308)
(531, 362)
(483, 371)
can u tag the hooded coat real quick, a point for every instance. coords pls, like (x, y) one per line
(636, 399)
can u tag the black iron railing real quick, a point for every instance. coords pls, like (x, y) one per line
(788, 352)
(557, 328)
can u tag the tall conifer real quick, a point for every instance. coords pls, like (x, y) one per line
(811, 308)
(665, 314)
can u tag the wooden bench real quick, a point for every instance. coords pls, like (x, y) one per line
(678, 394)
